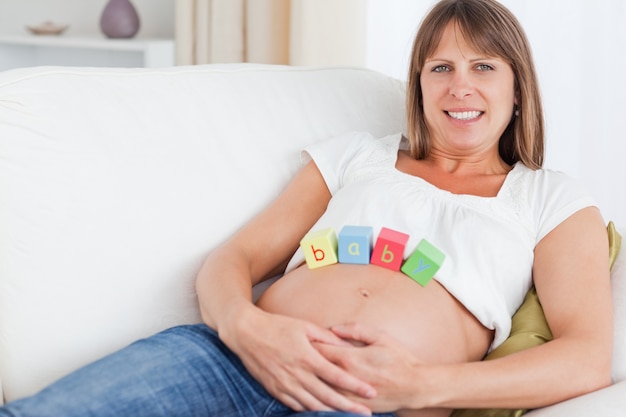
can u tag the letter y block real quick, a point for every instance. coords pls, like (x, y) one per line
(423, 263)
(320, 248)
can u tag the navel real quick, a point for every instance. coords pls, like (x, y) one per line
(364, 293)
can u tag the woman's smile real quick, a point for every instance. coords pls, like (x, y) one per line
(467, 115)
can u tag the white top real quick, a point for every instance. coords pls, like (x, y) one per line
(488, 241)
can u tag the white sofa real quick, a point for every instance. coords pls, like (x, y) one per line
(115, 183)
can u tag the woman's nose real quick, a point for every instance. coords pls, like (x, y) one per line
(461, 85)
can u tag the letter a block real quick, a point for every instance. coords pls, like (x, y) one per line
(355, 244)
(320, 248)
(423, 263)
(389, 249)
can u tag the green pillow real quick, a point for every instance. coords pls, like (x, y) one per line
(529, 328)
(615, 243)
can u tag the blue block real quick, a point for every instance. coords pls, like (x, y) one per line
(355, 244)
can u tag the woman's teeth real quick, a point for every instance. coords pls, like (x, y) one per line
(464, 115)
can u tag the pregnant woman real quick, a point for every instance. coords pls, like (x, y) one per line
(347, 339)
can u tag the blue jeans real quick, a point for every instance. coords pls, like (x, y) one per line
(183, 371)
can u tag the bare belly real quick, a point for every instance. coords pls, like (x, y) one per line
(428, 320)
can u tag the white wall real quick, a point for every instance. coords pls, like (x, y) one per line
(391, 26)
(157, 16)
(580, 58)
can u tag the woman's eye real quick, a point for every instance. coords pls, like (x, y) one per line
(484, 67)
(441, 68)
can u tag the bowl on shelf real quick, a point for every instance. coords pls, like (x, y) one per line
(47, 28)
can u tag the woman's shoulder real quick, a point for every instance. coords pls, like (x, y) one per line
(549, 195)
(349, 155)
(353, 149)
(546, 180)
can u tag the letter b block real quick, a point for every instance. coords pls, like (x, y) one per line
(320, 248)
(423, 263)
(389, 249)
(355, 245)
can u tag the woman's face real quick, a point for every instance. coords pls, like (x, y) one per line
(468, 97)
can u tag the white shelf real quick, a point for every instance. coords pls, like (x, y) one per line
(34, 50)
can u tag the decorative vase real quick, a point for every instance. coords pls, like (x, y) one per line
(119, 19)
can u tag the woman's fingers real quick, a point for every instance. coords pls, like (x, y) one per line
(357, 333)
(315, 394)
(286, 363)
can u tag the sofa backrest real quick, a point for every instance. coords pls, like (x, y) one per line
(115, 183)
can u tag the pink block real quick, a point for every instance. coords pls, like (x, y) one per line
(389, 249)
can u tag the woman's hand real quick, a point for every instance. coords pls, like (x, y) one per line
(278, 351)
(379, 359)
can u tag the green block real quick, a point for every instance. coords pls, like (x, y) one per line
(423, 263)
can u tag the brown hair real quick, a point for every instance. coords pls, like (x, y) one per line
(491, 29)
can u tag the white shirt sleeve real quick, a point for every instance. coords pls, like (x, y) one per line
(556, 197)
(334, 156)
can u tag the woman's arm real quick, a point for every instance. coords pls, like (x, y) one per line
(571, 274)
(260, 249)
(277, 350)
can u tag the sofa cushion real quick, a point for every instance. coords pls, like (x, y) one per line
(115, 183)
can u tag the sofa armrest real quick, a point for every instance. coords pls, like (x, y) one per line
(607, 402)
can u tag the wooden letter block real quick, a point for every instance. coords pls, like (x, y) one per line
(320, 248)
(389, 249)
(355, 244)
(423, 263)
